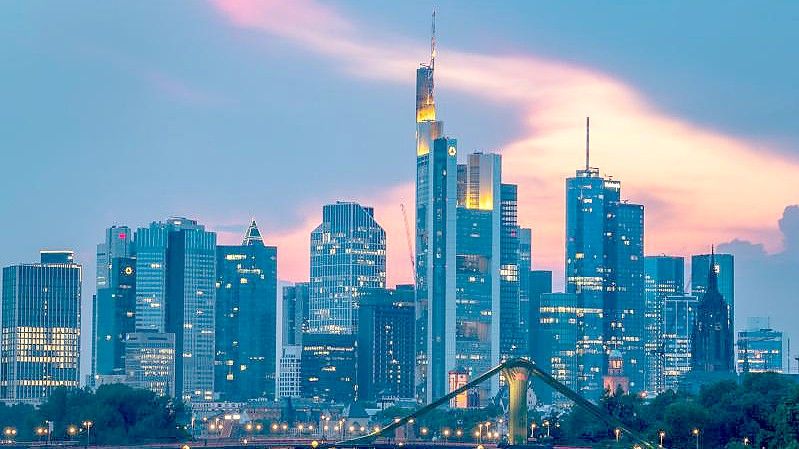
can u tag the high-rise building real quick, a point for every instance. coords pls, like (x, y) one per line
(525, 266)
(150, 362)
(295, 313)
(40, 327)
(604, 267)
(559, 340)
(712, 339)
(386, 345)
(762, 349)
(348, 254)
(478, 294)
(539, 283)
(511, 341)
(246, 318)
(724, 267)
(114, 307)
(664, 276)
(436, 198)
(348, 257)
(679, 316)
(176, 293)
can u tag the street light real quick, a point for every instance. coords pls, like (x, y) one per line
(446, 434)
(617, 432)
(662, 434)
(88, 425)
(546, 424)
(71, 431)
(695, 433)
(746, 441)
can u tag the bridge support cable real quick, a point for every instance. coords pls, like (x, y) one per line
(517, 373)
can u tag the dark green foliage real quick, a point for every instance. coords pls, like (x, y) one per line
(763, 408)
(119, 415)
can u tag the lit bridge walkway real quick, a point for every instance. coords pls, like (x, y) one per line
(518, 373)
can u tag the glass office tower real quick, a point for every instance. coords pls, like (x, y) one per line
(679, 316)
(511, 341)
(525, 266)
(246, 318)
(436, 197)
(40, 327)
(115, 302)
(478, 247)
(176, 293)
(664, 276)
(348, 254)
(604, 268)
(762, 349)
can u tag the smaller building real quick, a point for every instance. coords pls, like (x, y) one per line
(762, 349)
(457, 379)
(150, 362)
(329, 367)
(615, 379)
(289, 380)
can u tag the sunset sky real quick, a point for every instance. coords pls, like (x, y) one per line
(127, 113)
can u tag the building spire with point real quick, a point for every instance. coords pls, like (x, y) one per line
(253, 235)
(587, 143)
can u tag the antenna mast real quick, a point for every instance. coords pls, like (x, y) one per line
(433, 43)
(587, 142)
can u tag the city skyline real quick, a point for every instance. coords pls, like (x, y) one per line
(557, 126)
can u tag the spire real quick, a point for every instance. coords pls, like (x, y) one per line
(252, 236)
(712, 275)
(433, 43)
(587, 142)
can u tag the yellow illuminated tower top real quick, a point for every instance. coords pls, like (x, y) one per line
(425, 104)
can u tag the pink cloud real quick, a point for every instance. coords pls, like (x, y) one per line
(699, 186)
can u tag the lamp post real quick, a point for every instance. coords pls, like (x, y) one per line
(617, 433)
(662, 435)
(71, 431)
(88, 425)
(746, 441)
(546, 424)
(695, 432)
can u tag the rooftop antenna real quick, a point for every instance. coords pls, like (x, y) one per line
(587, 142)
(433, 42)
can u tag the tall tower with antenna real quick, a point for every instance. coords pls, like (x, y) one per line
(436, 198)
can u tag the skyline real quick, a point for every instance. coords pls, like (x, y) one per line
(538, 156)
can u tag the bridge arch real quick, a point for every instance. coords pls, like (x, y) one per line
(518, 373)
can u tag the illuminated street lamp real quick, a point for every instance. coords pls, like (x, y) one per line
(746, 441)
(72, 431)
(695, 432)
(458, 433)
(532, 429)
(446, 433)
(10, 433)
(88, 426)
(617, 433)
(662, 434)
(546, 424)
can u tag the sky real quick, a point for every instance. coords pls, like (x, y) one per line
(130, 112)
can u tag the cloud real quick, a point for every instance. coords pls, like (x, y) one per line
(765, 284)
(699, 186)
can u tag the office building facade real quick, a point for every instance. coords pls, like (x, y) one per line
(246, 318)
(679, 317)
(40, 327)
(664, 277)
(762, 349)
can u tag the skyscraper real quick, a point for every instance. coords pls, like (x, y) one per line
(348, 257)
(538, 347)
(386, 345)
(559, 333)
(511, 341)
(348, 254)
(436, 197)
(115, 302)
(679, 317)
(664, 276)
(40, 327)
(295, 313)
(525, 266)
(604, 268)
(176, 293)
(712, 339)
(246, 309)
(725, 272)
(478, 247)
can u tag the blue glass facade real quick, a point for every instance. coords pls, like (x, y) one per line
(679, 316)
(348, 255)
(511, 340)
(176, 294)
(40, 327)
(664, 276)
(604, 267)
(246, 314)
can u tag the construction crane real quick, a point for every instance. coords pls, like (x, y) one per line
(410, 246)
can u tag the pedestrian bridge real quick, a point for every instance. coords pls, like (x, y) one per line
(517, 373)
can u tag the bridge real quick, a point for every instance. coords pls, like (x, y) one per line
(517, 373)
